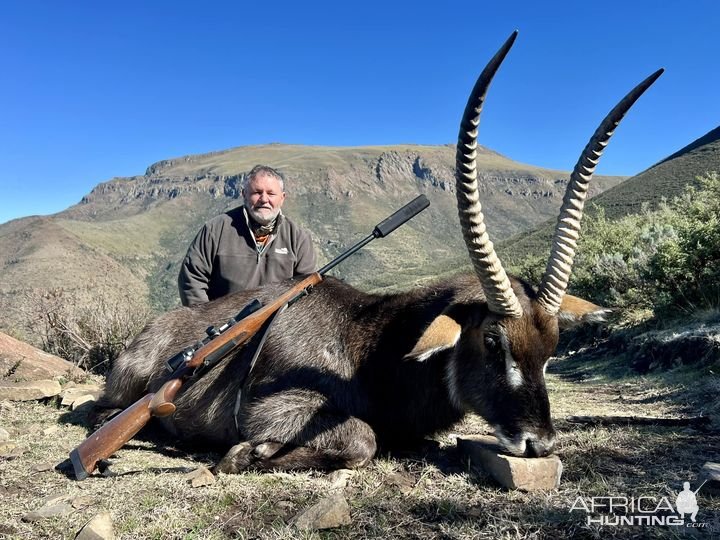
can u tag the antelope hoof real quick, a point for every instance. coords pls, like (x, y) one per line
(266, 450)
(237, 459)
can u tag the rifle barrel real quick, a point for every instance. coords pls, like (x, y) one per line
(382, 229)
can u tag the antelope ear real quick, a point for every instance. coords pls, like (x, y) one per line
(443, 333)
(575, 311)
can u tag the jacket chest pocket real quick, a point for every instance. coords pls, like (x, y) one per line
(279, 263)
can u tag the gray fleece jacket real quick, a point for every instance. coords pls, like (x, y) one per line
(224, 257)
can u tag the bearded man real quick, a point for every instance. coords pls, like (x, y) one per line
(248, 246)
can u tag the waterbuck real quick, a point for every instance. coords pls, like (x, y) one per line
(343, 371)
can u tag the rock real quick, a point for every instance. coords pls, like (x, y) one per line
(50, 430)
(48, 511)
(51, 500)
(338, 479)
(710, 474)
(404, 482)
(7, 446)
(88, 400)
(42, 467)
(73, 392)
(10, 491)
(4, 435)
(330, 512)
(200, 477)
(83, 501)
(100, 527)
(22, 362)
(6, 406)
(28, 391)
(10, 450)
(526, 474)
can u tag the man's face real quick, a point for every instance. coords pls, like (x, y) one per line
(263, 198)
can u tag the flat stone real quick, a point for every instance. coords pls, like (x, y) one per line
(403, 482)
(7, 446)
(329, 513)
(338, 479)
(42, 467)
(526, 474)
(20, 361)
(51, 500)
(87, 400)
(6, 406)
(29, 390)
(100, 527)
(10, 450)
(50, 430)
(48, 511)
(72, 393)
(10, 491)
(83, 501)
(200, 477)
(4, 435)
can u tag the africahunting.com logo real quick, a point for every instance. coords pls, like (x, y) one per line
(616, 511)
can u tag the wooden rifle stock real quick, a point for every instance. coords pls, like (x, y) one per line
(123, 427)
(119, 430)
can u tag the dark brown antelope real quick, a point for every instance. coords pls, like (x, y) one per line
(343, 372)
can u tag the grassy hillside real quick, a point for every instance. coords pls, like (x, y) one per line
(129, 234)
(46, 257)
(664, 180)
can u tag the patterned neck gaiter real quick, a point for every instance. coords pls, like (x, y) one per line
(262, 231)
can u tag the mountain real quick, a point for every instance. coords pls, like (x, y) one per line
(664, 180)
(128, 235)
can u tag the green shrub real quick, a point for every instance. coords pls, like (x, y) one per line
(685, 271)
(666, 260)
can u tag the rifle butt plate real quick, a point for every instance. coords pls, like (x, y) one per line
(80, 472)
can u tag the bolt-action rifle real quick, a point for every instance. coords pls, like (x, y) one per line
(219, 343)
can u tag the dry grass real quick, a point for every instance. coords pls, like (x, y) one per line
(419, 495)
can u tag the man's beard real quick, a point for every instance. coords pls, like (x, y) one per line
(262, 219)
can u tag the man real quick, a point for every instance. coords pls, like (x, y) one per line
(248, 246)
(686, 503)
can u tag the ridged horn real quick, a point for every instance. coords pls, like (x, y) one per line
(500, 297)
(567, 231)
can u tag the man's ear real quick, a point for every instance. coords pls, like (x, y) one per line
(443, 333)
(575, 311)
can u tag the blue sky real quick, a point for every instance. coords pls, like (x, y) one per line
(94, 90)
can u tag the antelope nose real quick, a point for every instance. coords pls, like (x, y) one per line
(539, 447)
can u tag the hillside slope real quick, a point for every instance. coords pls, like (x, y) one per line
(665, 180)
(130, 234)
